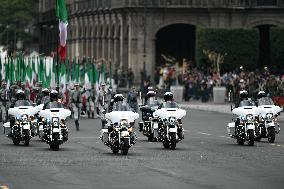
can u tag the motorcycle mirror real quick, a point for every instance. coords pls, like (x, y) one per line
(34, 104)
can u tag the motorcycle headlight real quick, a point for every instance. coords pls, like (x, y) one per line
(25, 117)
(18, 118)
(172, 120)
(47, 120)
(250, 117)
(55, 119)
(269, 116)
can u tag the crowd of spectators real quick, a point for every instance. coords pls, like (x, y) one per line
(198, 85)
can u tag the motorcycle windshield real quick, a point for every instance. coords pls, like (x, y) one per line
(152, 103)
(119, 106)
(51, 105)
(246, 103)
(265, 101)
(170, 105)
(22, 103)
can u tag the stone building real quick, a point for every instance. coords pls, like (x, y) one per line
(134, 33)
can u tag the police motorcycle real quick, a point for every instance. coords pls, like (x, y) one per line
(55, 131)
(267, 126)
(170, 118)
(150, 124)
(22, 125)
(118, 131)
(45, 99)
(243, 127)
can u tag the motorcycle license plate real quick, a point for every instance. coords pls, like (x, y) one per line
(271, 124)
(172, 130)
(40, 128)
(124, 134)
(55, 130)
(26, 127)
(250, 126)
(155, 126)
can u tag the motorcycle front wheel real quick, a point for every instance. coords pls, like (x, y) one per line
(27, 137)
(173, 142)
(271, 135)
(250, 137)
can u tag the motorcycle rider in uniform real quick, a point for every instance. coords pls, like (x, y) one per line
(263, 99)
(243, 98)
(46, 98)
(76, 100)
(4, 101)
(170, 103)
(132, 99)
(55, 102)
(20, 101)
(119, 105)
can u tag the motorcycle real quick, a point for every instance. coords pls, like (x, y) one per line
(55, 131)
(150, 125)
(119, 134)
(24, 124)
(171, 131)
(268, 126)
(244, 126)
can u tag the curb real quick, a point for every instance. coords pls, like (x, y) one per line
(216, 108)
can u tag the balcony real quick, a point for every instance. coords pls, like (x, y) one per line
(115, 4)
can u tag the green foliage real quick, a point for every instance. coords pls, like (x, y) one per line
(277, 48)
(17, 15)
(239, 45)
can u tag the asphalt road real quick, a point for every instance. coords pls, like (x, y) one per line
(207, 158)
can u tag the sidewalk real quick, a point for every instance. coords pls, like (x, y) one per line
(211, 107)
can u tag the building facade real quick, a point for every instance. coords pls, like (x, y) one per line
(133, 34)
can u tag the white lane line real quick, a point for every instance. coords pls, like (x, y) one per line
(224, 137)
(272, 144)
(279, 145)
(4, 187)
(204, 133)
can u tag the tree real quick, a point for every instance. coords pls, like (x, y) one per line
(15, 18)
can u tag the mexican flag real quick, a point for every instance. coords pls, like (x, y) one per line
(61, 14)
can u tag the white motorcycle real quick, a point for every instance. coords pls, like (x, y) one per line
(172, 131)
(149, 125)
(268, 126)
(119, 134)
(55, 131)
(23, 122)
(244, 126)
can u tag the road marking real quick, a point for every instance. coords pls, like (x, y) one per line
(4, 187)
(272, 144)
(204, 133)
(279, 145)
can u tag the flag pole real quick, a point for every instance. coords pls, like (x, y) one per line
(57, 46)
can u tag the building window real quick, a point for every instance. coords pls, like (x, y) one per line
(266, 2)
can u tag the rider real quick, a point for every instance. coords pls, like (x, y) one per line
(20, 101)
(76, 100)
(263, 99)
(55, 102)
(4, 100)
(243, 99)
(119, 105)
(170, 103)
(45, 99)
